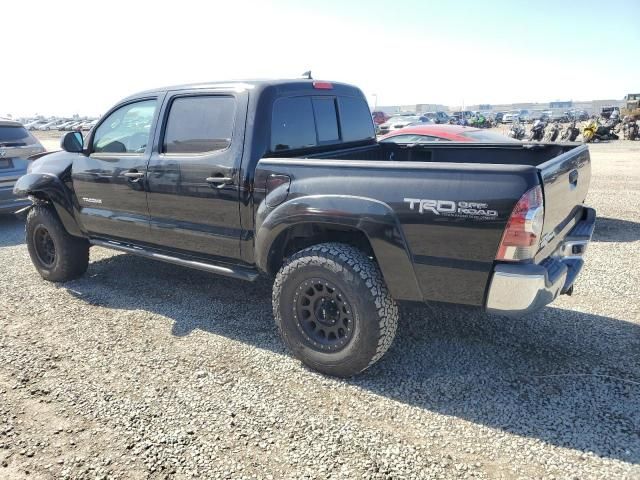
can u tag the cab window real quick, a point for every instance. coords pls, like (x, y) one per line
(199, 124)
(126, 130)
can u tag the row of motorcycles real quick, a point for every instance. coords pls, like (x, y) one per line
(477, 121)
(594, 130)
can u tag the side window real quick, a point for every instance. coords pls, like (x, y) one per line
(292, 124)
(355, 119)
(126, 130)
(428, 138)
(326, 119)
(199, 124)
(408, 138)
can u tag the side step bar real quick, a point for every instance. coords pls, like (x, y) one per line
(235, 272)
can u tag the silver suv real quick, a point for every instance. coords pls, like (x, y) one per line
(16, 146)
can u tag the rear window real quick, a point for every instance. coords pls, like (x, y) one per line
(301, 122)
(326, 119)
(15, 134)
(199, 124)
(355, 119)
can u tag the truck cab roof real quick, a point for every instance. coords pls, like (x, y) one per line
(258, 85)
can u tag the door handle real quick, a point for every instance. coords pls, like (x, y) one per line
(133, 176)
(219, 182)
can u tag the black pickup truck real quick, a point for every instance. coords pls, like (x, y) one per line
(286, 179)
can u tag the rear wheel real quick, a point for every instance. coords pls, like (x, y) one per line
(57, 256)
(333, 309)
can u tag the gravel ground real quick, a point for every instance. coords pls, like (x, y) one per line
(146, 370)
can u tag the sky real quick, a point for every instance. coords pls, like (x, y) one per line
(83, 57)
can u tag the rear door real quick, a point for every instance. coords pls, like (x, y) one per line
(193, 177)
(109, 176)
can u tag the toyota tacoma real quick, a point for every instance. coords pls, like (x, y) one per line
(286, 179)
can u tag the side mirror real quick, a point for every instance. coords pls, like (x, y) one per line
(72, 142)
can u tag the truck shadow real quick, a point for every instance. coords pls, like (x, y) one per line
(616, 230)
(11, 230)
(567, 378)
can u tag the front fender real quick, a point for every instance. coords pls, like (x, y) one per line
(49, 187)
(374, 218)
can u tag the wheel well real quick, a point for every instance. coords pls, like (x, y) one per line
(304, 235)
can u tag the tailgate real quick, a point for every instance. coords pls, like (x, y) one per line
(565, 182)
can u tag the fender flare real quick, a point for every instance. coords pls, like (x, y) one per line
(50, 187)
(375, 219)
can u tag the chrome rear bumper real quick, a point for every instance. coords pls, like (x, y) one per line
(518, 289)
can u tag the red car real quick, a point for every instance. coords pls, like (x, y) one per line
(444, 133)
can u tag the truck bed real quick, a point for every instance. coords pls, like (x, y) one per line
(554, 164)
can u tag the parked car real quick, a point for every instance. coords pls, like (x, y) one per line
(51, 125)
(379, 117)
(558, 116)
(74, 125)
(265, 178)
(88, 125)
(582, 115)
(498, 117)
(436, 117)
(63, 126)
(605, 112)
(522, 115)
(16, 146)
(35, 125)
(457, 117)
(444, 133)
(542, 115)
(396, 122)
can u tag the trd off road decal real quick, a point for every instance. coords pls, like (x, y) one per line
(449, 208)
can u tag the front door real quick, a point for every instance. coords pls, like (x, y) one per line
(109, 177)
(193, 173)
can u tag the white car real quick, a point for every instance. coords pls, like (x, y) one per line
(64, 125)
(35, 125)
(397, 122)
(52, 125)
(522, 115)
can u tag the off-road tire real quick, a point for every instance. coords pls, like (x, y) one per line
(375, 313)
(71, 257)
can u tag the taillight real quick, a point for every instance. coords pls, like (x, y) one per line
(521, 237)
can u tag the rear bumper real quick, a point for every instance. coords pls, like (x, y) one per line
(9, 202)
(518, 289)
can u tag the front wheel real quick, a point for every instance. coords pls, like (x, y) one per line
(333, 309)
(57, 256)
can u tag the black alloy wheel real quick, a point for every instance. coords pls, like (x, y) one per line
(323, 315)
(44, 246)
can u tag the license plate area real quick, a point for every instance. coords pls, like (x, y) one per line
(6, 163)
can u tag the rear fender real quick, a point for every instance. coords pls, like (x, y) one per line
(374, 218)
(50, 188)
